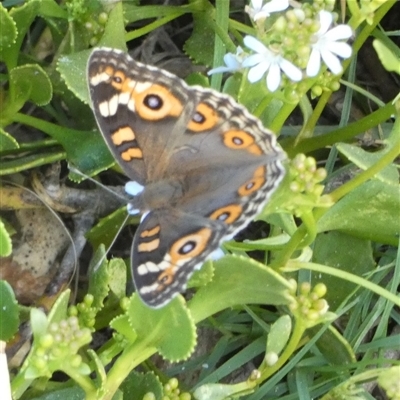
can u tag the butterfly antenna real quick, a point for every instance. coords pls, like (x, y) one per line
(106, 188)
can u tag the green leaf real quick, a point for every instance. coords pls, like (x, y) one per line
(5, 241)
(239, 280)
(170, 329)
(105, 275)
(389, 60)
(39, 323)
(203, 276)
(279, 334)
(136, 385)
(60, 307)
(51, 9)
(232, 85)
(71, 393)
(86, 150)
(121, 324)
(133, 12)
(23, 17)
(202, 33)
(99, 277)
(107, 228)
(8, 29)
(114, 31)
(9, 314)
(72, 68)
(98, 368)
(117, 272)
(30, 82)
(334, 346)
(370, 211)
(197, 78)
(364, 160)
(346, 253)
(7, 142)
(30, 161)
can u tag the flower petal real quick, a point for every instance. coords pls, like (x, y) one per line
(218, 70)
(339, 32)
(332, 62)
(256, 4)
(254, 44)
(231, 61)
(257, 72)
(253, 60)
(339, 48)
(290, 70)
(325, 19)
(276, 5)
(273, 77)
(314, 63)
(260, 15)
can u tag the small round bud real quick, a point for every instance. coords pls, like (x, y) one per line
(76, 360)
(295, 187)
(149, 396)
(103, 18)
(63, 324)
(305, 288)
(312, 315)
(40, 363)
(46, 341)
(58, 338)
(271, 358)
(255, 375)
(320, 289)
(300, 14)
(88, 299)
(280, 24)
(321, 306)
(73, 311)
(93, 41)
(174, 383)
(124, 303)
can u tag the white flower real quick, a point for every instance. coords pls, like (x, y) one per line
(327, 46)
(232, 61)
(265, 60)
(257, 10)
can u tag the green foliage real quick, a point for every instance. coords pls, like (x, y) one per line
(5, 241)
(326, 250)
(9, 314)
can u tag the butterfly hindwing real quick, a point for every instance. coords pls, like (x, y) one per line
(167, 248)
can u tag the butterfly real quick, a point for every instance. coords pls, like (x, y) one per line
(201, 166)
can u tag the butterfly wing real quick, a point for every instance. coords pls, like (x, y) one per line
(136, 112)
(168, 246)
(208, 165)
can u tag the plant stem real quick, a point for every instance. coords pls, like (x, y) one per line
(132, 356)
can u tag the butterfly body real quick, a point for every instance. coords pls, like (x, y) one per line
(206, 166)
